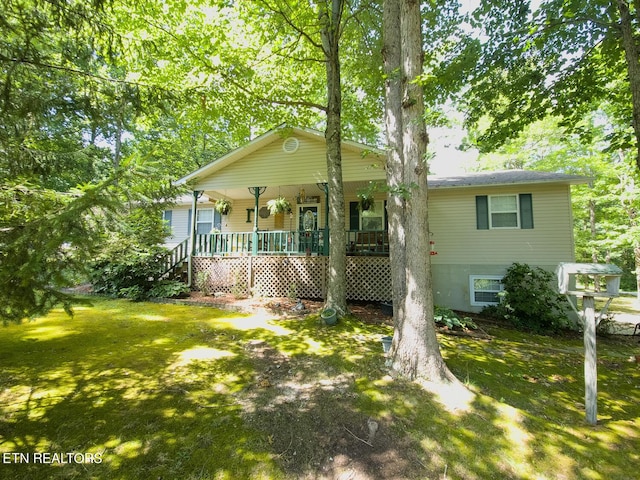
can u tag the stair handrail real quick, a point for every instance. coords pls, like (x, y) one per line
(176, 256)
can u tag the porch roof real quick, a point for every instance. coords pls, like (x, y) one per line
(262, 141)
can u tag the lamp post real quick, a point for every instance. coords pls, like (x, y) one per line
(256, 192)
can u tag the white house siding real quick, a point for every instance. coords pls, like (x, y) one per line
(179, 228)
(463, 250)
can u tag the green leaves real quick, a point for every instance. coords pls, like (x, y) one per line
(561, 59)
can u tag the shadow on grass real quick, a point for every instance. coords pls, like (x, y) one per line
(162, 391)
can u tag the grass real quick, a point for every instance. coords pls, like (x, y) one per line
(179, 392)
(623, 304)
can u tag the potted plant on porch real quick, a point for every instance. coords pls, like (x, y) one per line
(279, 205)
(223, 206)
(365, 201)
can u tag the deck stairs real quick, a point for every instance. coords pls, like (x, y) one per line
(175, 263)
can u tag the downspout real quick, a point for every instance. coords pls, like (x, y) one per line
(192, 238)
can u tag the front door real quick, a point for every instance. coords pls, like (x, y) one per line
(308, 217)
(308, 227)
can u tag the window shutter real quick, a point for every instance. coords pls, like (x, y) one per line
(217, 219)
(168, 217)
(482, 212)
(354, 216)
(189, 223)
(526, 211)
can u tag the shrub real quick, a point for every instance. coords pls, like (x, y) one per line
(202, 282)
(447, 317)
(168, 289)
(529, 300)
(128, 274)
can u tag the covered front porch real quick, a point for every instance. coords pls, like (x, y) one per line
(251, 247)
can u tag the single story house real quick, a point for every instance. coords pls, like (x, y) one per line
(480, 223)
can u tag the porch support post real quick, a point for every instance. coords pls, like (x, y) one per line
(192, 237)
(256, 191)
(325, 245)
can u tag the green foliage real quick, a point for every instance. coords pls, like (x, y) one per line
(168, 289)
(202, 282)
(560, 59)
(239, 289)
(128, 274)
(46, 238)
(529, 300)
(279, 205)
(448, 318)
(292, 292)
(223, 206)
(67, 174)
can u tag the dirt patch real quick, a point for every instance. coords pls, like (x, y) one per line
(367, 312)
(313, 425)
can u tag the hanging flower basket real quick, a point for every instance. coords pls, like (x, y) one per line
(223, 206)
(366, 202)
(279, 205)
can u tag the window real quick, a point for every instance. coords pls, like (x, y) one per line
(204, 221)
(485, 289)
(504, 211)
(373, 219)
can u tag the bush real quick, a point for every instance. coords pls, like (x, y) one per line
(168, 289)
(128, 274)
(529, 300)
(447, 317)
(202, 282)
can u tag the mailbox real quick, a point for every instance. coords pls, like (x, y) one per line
(566, 272)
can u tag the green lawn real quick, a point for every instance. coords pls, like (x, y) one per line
(178, 392)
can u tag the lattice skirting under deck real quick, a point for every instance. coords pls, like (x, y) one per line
(368, 278)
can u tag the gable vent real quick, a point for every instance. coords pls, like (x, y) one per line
(290, 145)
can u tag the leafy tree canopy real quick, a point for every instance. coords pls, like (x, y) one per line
(561, 59)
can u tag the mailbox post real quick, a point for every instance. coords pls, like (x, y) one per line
(566, 277)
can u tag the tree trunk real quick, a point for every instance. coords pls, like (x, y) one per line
(393, 126)
(636, 253)
(632, 56)
(415, 353)
(336, 278)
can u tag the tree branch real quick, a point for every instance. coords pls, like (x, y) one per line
(240, 86)
(289, 22)
(66, 69)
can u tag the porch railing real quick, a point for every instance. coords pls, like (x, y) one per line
(276, 242)
(288, 242)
